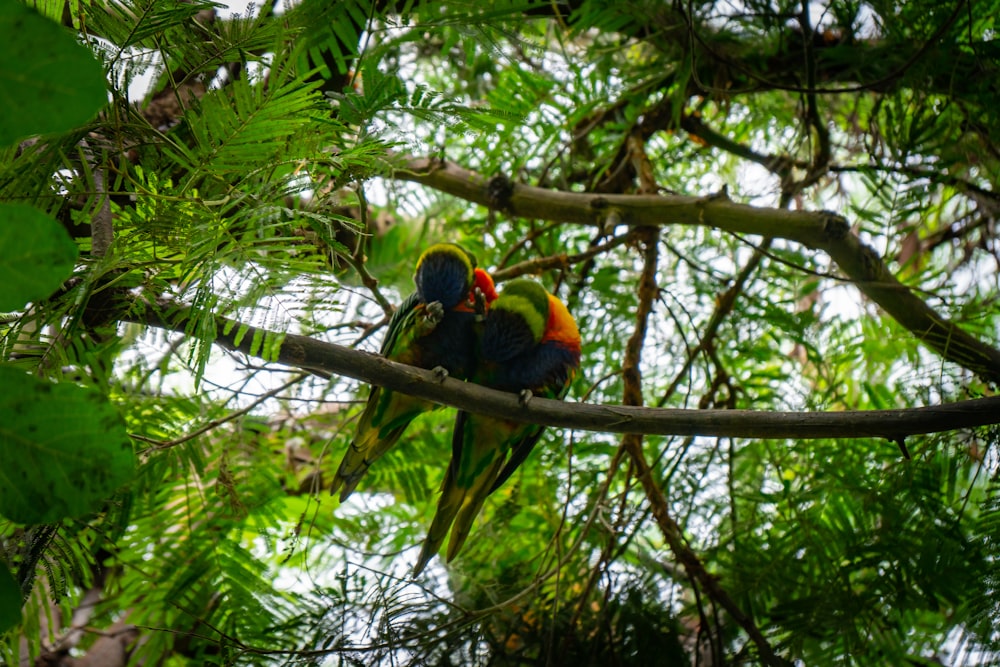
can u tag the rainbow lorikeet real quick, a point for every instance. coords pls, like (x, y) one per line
(531, 343)
(435, 327)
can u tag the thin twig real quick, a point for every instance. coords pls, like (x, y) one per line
(559, 261)
(215, 423)
(724, 306)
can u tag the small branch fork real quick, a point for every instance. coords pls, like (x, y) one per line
(818, 230)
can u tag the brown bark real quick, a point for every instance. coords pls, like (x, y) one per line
(330, 359)
(819, 230)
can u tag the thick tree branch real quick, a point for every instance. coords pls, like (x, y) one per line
(102, 224)
(328, 358)
(818, 230)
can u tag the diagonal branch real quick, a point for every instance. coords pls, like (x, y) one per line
(632, 444)
(819, 230)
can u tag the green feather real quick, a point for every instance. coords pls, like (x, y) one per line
(528, 298)
(485, 451)
(387, 413)
(526, 309)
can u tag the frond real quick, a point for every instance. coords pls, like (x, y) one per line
(143, 23)
(243, 129)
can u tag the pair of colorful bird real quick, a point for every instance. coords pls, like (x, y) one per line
(523, 340)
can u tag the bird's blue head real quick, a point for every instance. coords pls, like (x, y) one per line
(445, 273)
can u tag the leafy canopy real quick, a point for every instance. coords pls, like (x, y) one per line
(178, 181)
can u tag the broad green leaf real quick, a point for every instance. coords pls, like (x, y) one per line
(63, 449)
(48, 81)
(37, 255)
(10, 600)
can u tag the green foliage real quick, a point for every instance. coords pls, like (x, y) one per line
(10, 601)
(856, 567)
(39, 255)
(246, 125)
(48, 82)
(155, 483)
(64, 451)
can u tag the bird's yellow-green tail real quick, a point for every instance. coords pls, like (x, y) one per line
(479, 449)
(393, 412)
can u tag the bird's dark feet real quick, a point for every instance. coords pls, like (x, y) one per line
(524, 397)
(434, 312)
(479, 301)
(431, 316)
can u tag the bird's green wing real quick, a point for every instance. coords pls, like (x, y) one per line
(397, 322)
(387, 413)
